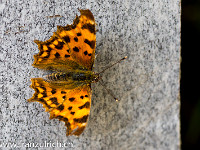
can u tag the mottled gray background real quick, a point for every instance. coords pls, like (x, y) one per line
(147, 83)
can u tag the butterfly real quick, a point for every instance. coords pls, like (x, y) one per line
(70, 54)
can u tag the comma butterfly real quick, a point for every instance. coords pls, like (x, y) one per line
(70, 52)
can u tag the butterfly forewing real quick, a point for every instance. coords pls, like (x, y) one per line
(71, 47)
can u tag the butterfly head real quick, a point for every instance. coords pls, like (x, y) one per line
(96, 77)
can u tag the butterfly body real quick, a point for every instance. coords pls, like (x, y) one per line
(86, 77)
(70, 52)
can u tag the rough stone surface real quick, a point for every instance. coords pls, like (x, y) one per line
(147, 83)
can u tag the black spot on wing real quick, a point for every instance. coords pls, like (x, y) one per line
(72, 113)
(90, 27)
(76, 49)
(71, 99)
(76, 39)
(57, 55)
(51, 41)
(63, 92)
(42, 86)
(63, 119)
(53, 91)
(70, 108)
(86, 105)
(37, 92)
(54, 100)
(66, 39)
(85, 53)
(49, 49)
(44, 94)
(81, 120)
(44, 102)
(90, 43)
(67, 56)
(79, 34)
(61, 107)
(40, 53)
(59, 45)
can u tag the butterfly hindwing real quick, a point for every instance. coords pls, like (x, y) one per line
(69, 105)
(70, 47)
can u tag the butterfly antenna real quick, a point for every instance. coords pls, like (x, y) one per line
(109, 92)
(112, 65)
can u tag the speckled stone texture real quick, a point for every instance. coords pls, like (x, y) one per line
(147, 83)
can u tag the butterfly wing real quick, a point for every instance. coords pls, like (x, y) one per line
(70, 47)
(71, 105)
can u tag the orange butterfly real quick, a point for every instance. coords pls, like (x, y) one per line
(70, 52)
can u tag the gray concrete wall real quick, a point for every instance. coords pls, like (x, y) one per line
(147, 83)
